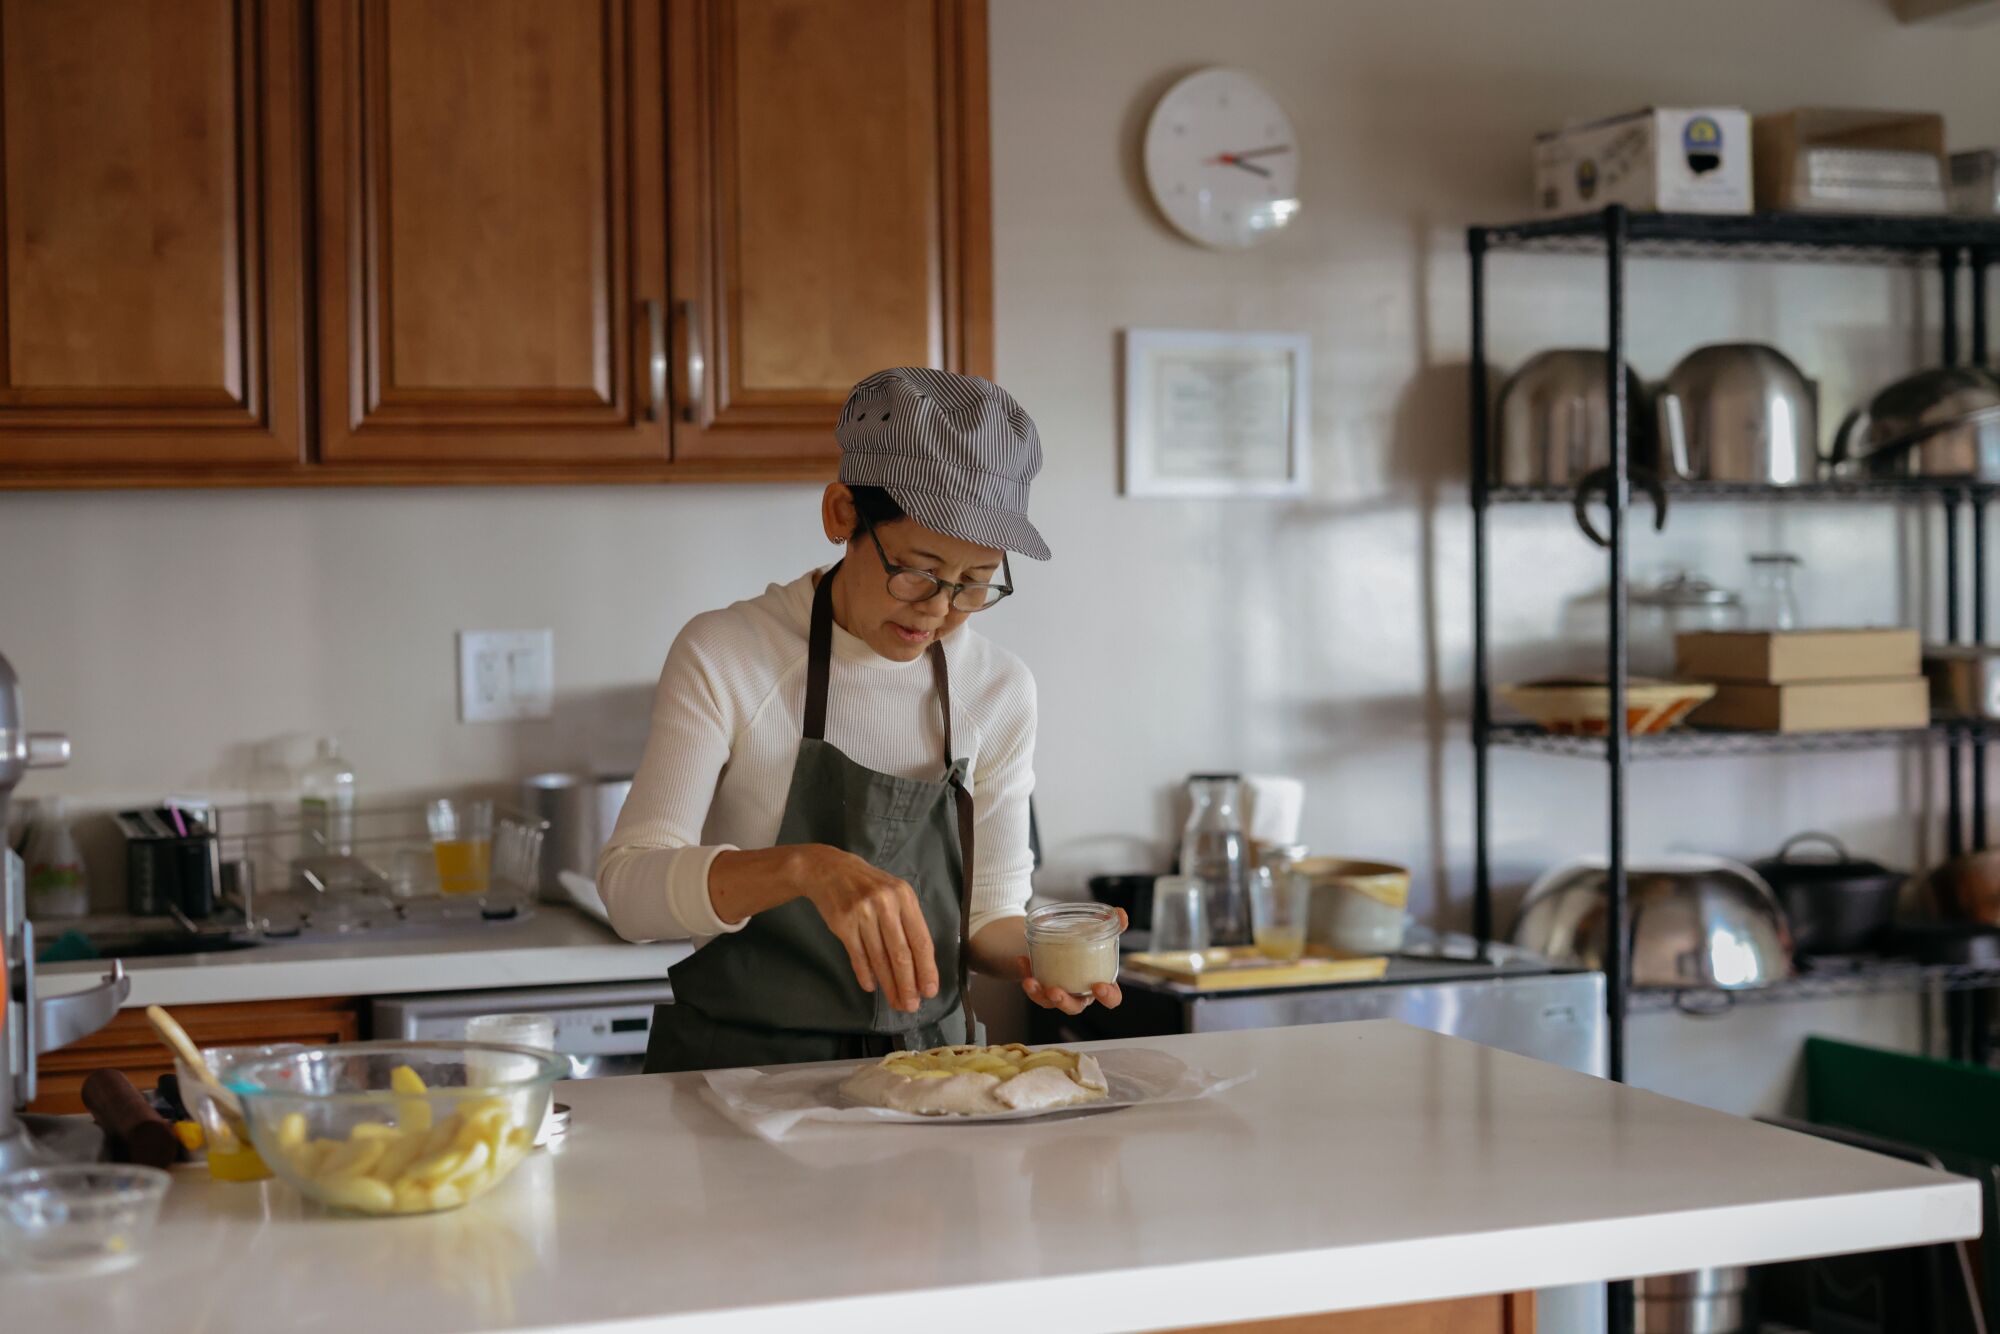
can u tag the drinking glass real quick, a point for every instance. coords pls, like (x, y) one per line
(1280, 898)
(1180, 917)
(519, 1030)
(462, 845)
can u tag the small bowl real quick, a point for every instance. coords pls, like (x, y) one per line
(1358, 907)
(395, 1127)
(1583, 708)
(78, 1218)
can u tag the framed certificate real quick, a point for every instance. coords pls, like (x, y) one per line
(1216, 414)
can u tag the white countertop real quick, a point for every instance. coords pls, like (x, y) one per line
(1367, 1164)
(558, 946)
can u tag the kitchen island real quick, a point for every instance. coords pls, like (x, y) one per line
(1365, 1165)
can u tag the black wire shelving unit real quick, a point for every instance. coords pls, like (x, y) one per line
(1957, 248)
(1953, 246)
(1825, 979)
(1704, 743)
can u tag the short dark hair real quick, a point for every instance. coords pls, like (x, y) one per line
(875, 505)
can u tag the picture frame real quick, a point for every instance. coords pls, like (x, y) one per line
(1216, 414)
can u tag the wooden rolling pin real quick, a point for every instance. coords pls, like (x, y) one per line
(136, 1131)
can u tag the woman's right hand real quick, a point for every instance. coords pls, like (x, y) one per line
(877, 917)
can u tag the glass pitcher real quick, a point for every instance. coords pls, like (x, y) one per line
(1215, 853)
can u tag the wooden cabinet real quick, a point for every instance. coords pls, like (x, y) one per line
(585, 240)
(1509, 1313)
(128, 1042)
(492, 239)
(151, 267)
(830, 204)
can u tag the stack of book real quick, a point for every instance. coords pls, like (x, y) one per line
(1807, 680)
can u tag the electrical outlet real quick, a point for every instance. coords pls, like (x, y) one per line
(505, 674)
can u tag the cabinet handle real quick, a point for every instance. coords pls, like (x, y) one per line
(697, 363)
(656, 358)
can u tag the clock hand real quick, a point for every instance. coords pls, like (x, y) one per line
(1235, 160)
(1265, 151)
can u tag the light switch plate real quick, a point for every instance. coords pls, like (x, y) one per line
(505, 675)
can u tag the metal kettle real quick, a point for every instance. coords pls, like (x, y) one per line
(1739, 412)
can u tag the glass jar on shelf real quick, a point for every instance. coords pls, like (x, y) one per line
(1773, 602)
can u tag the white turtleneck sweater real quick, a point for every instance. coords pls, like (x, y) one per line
(725, 735)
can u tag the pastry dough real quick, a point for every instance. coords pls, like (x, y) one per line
(968, 1081)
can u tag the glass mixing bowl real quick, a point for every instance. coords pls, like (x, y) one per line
(395, 1127)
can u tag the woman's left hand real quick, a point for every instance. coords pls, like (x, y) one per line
(1055, 998)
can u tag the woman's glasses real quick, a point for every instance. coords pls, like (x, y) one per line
(912, 585)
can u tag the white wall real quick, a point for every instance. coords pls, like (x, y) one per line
(174, 634)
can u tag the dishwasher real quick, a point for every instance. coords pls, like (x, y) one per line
(601, 1028)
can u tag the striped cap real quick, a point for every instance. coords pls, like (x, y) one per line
(955, 451)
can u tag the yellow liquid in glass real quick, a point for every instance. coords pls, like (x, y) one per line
(463, 865)
(1282, 944)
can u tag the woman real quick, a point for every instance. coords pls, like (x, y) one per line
(834, 797)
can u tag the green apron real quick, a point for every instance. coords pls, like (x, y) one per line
(782, 990)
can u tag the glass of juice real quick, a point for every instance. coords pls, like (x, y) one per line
(1279, 901)
(462, 844)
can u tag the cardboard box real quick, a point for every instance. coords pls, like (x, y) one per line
(1790, 178)
(1818, 706)
(1660, 160)
(1781, 656)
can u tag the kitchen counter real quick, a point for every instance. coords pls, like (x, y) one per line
(558, 946)
(1366, 1164)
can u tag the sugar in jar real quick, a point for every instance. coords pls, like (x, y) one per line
(1073, 946)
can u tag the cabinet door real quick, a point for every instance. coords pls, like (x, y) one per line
(492, 233)
(151, 267)
(829, 197)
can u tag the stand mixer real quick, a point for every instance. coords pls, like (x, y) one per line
(31, 1024)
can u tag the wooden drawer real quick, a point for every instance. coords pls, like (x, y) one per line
(128, 1042)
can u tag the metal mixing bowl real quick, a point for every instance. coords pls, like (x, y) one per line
(1694, 922)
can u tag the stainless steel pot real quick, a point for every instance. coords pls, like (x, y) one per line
(1693, 922)
(1943, 422)
(1739, 412)
(1555, 420)
(1701, 1301)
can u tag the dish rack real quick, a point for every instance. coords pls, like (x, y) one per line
(282, 877)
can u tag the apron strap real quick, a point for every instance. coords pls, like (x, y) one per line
(962, 799)
(819, 659)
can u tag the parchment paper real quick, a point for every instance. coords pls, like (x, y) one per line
(772, 1104)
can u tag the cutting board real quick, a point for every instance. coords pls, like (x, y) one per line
(1241, 968)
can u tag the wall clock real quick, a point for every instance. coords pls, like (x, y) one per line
(1221, 160)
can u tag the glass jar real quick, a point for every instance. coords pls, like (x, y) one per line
(1214, 853)
(1073, 946)
(1774, 591)
(1677, 605)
